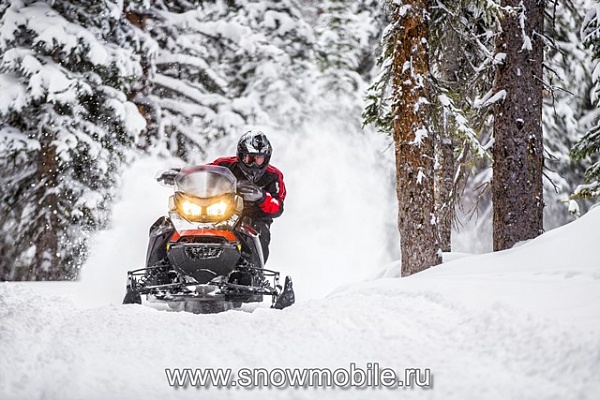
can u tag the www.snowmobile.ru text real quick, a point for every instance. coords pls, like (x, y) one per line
(371, 376)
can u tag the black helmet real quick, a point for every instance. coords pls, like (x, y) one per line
(254, 143)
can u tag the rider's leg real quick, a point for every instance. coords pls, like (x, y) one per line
(264, 229)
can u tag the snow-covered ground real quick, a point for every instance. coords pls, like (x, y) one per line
(519, 324)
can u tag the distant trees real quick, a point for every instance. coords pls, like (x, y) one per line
(220, 65)
(589, 145)
(346, 32)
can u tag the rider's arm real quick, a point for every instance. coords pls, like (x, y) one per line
(275, 192)
(224, 161)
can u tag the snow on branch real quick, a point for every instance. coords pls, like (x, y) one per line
(420, 135)
(52, 32)
(165, 57)
(489, 98)
(588, 190)
(186, 90)
(14, 94)
(590, 27)
(522, 18)
(463, 127)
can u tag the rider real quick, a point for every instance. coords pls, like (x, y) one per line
(259, 183)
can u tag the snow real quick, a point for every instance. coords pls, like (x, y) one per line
(127, 112)
(444, 100)
(499, 58)
(420, 177)
(231, 30)
(522, 323)
(52, 30)
(526, 39)
(280, 21)
(165, 57)
(490, 98)
(13, 94)
(420, 134)
(574, 208)
(188, 91)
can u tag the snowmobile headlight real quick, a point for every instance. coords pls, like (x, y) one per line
(218, 209)
(190, 209)
(196, 209)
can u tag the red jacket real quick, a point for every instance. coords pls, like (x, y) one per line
(271, 182)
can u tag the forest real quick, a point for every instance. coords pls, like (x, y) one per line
(492, 107)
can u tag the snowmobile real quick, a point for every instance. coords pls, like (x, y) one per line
(205, 257)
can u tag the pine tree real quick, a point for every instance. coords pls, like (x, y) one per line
(567, 111)
(65, 127)
(589, 145)
(221, 65)
(347, 33)
(413, 135)
(459, 37)
(458, 71)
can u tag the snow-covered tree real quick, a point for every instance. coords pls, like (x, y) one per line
(460, 34)
(589, 145)
(66, 69)
(348, 34)
(460, 63)
(406, 74)
(567, 112)
(221, 65)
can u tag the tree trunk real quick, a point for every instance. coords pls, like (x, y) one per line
(450, 65)
(444, 185)
(413, 137)
(518, 148)
(139, 95)
(46, 262)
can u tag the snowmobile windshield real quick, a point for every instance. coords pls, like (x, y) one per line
(205, 181)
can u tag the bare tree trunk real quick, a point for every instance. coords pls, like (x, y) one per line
(518, 149)
(444, 185)
(450, 67)
(140, 93)
(413, 136)
(46, 262)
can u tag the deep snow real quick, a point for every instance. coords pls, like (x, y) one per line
(519, 324)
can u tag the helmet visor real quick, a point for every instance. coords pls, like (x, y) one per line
(254, 160)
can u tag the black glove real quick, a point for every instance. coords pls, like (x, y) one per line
(250, 192)
(167, 177)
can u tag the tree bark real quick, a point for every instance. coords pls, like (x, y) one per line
(46, 262)
(444, 185)
(518, 148)
(413, 137)
(450, 65)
